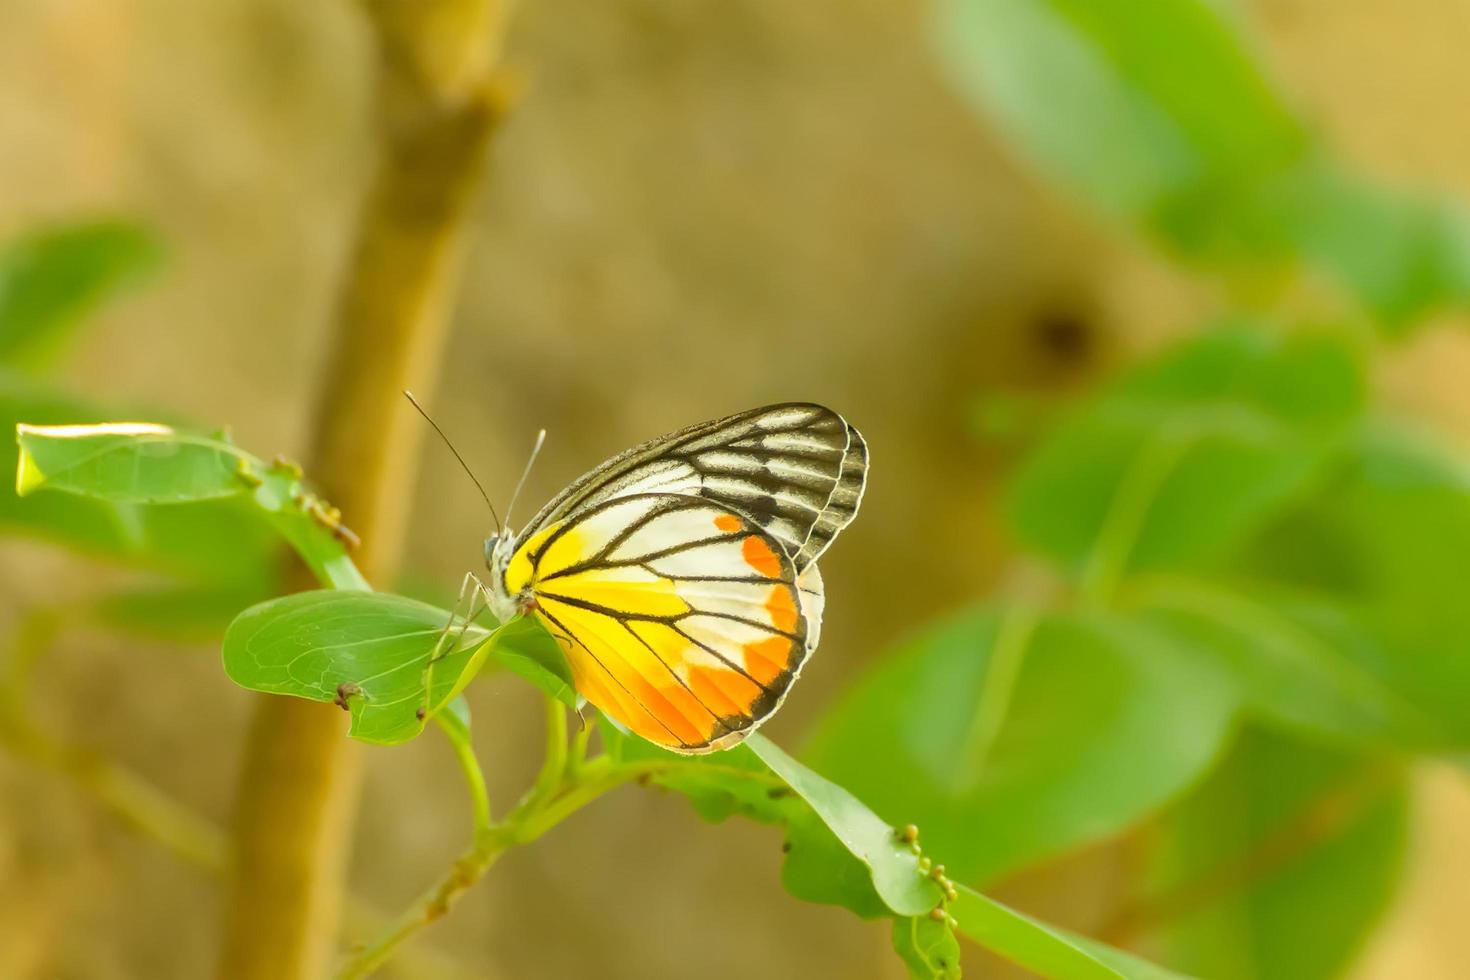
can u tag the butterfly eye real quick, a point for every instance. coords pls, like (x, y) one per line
(490, 543)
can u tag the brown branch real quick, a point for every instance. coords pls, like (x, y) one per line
(438, 105)
(145, 808)
(153, 814)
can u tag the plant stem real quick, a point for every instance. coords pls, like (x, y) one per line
(1124, 521)
(491, 840)
(537, 813)
(595, 781)
(433, 905)
(577, 756)
(438, 104)
(1007, 654)
(474, 778)
(554, 766)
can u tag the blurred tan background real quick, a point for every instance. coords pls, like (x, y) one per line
(695, 209)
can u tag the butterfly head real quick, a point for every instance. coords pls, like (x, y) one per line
(499, 548)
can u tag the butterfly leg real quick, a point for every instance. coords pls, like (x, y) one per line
(473, 599)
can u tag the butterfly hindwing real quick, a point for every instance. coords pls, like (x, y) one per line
(796, 470)
(680, 618)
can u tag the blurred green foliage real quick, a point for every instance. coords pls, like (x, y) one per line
(51, 277)
(395, 662)
(1017, 748)
(1253, 623)
(1321, 830)
(48, 280)
(1159, 113)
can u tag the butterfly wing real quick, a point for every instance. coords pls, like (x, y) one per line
(681, 618)
(796, 470)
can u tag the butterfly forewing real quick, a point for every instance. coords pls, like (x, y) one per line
(680, 618)
(796, 470)
(841, 506)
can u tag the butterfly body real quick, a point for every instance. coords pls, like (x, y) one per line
(680, 577)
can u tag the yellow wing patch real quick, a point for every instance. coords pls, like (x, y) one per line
(679, 618)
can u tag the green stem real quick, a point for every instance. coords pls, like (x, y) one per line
(1136, 493)
(577, 757)
(596, 779)
(433, 905)
(331, 568)
(554, 766)
(601, 775)
(1007, 655)
(474, 778)
(530, 820)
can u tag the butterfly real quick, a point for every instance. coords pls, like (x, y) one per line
(680, 577)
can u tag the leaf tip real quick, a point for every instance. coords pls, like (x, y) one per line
(28, 476)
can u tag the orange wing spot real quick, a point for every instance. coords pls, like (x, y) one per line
(663, 715)
(729, 523)
(782, 607)
(616, 703)
(678, 709)
(759, 556)
(723, 690)
(768, 658)
(657, 701)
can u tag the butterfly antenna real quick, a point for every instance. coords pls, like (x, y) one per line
(415, 403)
(535, 451)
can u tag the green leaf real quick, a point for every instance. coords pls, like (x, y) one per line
(927, 946)
(1045, 950)
(1135, 105)
(1304, 664)
(50, 278)
(220, 541)
(1159, 113)
(1383, 540)
(1125, 964)
(95, 525)
(893, 864)
(1022, 736)
(371, 651)
(128, 462)
(1404, 256)
(1280, 865)
(1175, 463)
(524, 648)
(838, 852)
